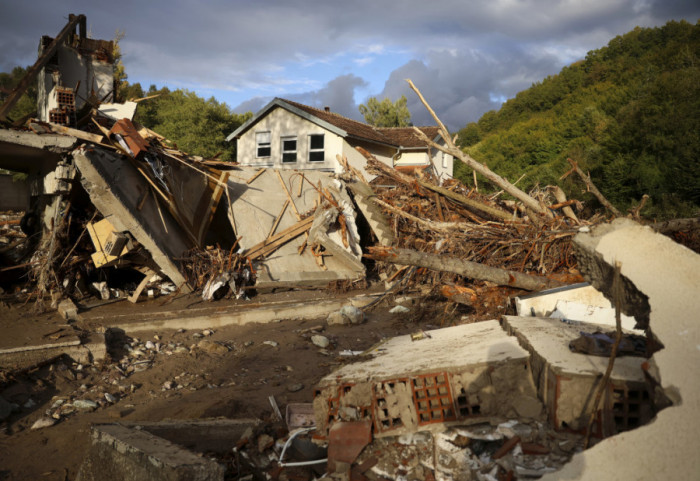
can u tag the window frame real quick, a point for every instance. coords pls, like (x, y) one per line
(283, 139)
(262, 145)
(317, 150)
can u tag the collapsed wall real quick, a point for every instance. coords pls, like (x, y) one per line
(464, 374)
(667, 276)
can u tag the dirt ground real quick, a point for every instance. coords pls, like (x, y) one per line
(231, 374)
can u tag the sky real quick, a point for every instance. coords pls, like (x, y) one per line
(466, 56)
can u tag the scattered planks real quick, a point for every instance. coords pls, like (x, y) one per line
(273, 243)
(473, 270)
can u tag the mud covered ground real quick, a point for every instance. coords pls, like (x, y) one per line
(173, 374)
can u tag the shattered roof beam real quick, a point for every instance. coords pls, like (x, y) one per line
(41, 61)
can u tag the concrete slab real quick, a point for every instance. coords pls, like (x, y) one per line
(118, 452)
(115, 187)
(87, 350)
(566, 381)
(200, 435)
(256, 206)
(465, 374)
(662, 278)
(215, 316)
(578, 302)
(24, 151)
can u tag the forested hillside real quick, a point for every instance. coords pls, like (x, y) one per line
(629, 114)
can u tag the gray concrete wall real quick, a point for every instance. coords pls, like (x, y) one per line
(668, 274)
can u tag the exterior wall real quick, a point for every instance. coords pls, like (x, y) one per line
(74, 68)
(281, 123)
(409, 158)
(444, 164)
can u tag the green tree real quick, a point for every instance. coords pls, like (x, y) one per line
(26, 105)
(197, 126)
(628, 113)
(386, 113)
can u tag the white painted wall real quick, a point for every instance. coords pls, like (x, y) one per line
(282, 123)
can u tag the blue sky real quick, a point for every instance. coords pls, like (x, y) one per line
(466, 56)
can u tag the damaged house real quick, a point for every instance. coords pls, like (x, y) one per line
(114, 208)
(289, 135)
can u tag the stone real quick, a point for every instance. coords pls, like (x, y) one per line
(168, 385)
(271, 343)
(320, 341)
(110, 398)
(85, 404)
(212, 347)
(68, 310)
(44, 422)
(295, 387)
(150, 345)
(399, 310)
(337, 318)
(355, 315)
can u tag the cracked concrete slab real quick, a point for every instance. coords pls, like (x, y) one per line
(662, 279)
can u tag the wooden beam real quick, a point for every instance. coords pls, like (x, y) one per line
(274, 242)
(473, 270)
(31, 74)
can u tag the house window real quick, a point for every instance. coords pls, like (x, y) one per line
(262, 142)
(316, 152)
(289, 149)
(444, 160)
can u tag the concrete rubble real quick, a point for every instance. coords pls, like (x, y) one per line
(111, 211)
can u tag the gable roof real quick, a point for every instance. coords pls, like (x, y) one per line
(404, 137)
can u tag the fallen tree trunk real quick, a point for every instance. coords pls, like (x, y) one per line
(451, 149)
(469, 269)
(586, 178)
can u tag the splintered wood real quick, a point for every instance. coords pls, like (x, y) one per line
(459, 235)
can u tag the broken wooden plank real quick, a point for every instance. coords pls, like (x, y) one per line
(469, 269)
(257, 174)
(289, 196)
(274, 242)
(79, 134)
(466, 201)
(279, 217)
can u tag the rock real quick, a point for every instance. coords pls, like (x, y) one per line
(271, 343)
(68, 310)
(85, 404)
(295, 387)
(528, 407)
(150, 345)
(399, 310)
(337, 318)
(355, 315)
(110, 398)
(197, 335)
(168, 385)
(212, 347)
(43, 423)
(320, 341)
(207, 332)
(5, 409)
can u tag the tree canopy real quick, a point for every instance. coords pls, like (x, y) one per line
(628, 114)
(386, 113)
